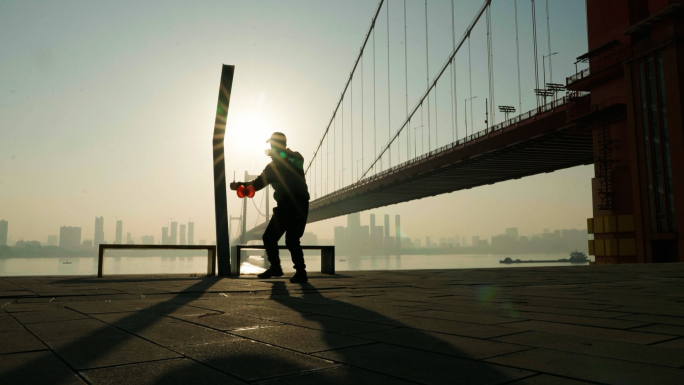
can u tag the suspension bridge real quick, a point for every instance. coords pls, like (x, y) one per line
(456, 150)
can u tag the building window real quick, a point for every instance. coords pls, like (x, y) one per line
(656, 144)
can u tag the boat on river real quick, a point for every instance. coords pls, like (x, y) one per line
(575, 257)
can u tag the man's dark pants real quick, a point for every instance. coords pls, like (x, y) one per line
(291, 221)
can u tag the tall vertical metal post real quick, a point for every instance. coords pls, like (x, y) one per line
(220, 195)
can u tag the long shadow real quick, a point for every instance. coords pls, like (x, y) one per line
(438, 360)
(136, 322)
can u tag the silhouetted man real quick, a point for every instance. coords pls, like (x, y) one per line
(286, 174)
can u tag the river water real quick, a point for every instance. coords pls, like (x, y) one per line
(127, 262)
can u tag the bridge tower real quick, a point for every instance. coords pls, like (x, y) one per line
(635, 115)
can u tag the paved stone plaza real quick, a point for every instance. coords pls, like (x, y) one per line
(546, 325)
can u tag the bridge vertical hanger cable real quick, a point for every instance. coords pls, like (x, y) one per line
(327, 164)
(490, 62)
(406, 82)
(356, 63)
(427, 72)
(453, 44)
(342, 149)
(335, 153)
(517, 52)
(351, 128)
(470, 74)
(534, 42)
(375, 130)
(425, 95)
(548, 40)
(362, 116)
(389, 95)
(455, 73)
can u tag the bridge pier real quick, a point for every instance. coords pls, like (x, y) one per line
(635, 116)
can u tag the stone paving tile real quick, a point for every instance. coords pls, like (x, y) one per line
(265, 312)
(591, 368)
(465, 329)
(660, 319)
(96, 307)
(334, 325)
(28, 307)
(36, 368)
(251, 361)
(19, 341)
(300, 339)
(106, 350)
(458, 346)
(172, 372)
(463, 317)
(575, 312)
(8, 323)
(178, 333)
(545, 379)
(423, 367)
(586, 321)
(342, 375)
(674, 330)
(48, 315)
(180, 311)
(232, 322)
(649, 354)
(672, 344)
(591, 332)
(71, 329)
(127, 319)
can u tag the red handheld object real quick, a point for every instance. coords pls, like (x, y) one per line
(245, 191)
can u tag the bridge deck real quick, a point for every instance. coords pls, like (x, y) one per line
(551, 325)
(538, 143)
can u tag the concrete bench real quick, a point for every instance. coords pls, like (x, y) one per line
(211, 253)
(327, 257)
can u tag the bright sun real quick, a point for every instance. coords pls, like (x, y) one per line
(251, 131)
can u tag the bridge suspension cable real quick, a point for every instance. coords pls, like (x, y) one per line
(517, 53)
(431, 85)
(371, 29)
(389, 94)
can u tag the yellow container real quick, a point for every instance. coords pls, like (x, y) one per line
(598, 225)
(590, 225)
(599, 247)
(628, 247)
(611, 246)
(591, 247)
(625, 223)
(610, 224)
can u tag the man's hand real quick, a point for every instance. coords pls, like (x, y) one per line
(234, 185)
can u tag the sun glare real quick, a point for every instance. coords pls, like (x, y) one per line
(252, 130)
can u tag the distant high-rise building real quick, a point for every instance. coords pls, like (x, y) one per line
(387, 226)
(174, 233)
(165, 236)
(4, 229)
(53, 240)
(191, 233)
(87, 243)
(99, 231)
(341, 238)
(119, 232)
(182, 234)
(69, 237)
(147, 240)
(512, 232)
(129, 240)
(476, 241)
(464, 241)
(428, 244)
(397, 231)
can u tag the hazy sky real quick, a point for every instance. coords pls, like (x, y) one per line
(107, 108)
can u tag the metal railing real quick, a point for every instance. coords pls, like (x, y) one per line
(461, 142)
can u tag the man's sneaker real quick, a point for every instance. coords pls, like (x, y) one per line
(299, 277)
(273, 271)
